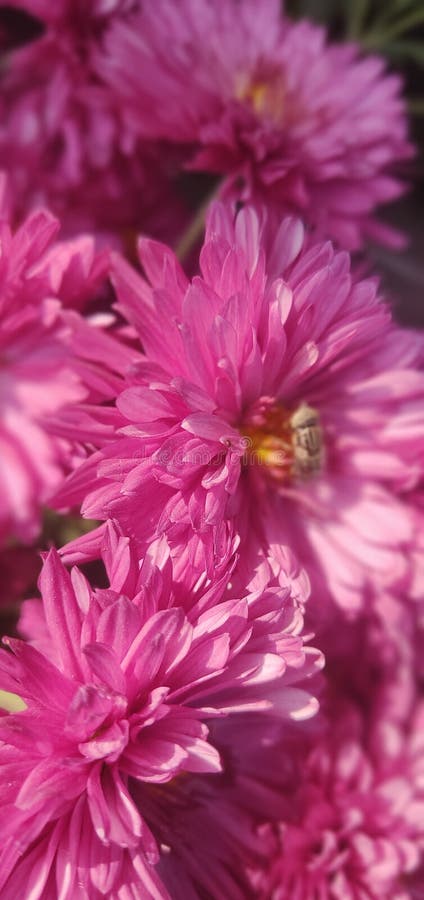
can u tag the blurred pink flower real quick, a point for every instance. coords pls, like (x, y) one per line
(353, 827)
(62, 139)
(276, 398)
(310, 127)
(36, 380)
(49, 360)
(118, 684)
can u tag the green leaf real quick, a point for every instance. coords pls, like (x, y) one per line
(406, 51)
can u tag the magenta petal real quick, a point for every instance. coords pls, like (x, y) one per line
(115, 818)
(105, 666)
(63, 615)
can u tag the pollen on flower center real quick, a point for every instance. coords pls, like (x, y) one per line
(289, 443)
(265, 95)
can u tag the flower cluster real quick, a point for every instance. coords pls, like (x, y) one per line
(213, 689)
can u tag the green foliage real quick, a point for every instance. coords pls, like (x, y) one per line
(394, 28)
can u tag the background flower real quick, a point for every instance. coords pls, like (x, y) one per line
(49, 360)
(354, 828)
(309, 127)
(62, 138)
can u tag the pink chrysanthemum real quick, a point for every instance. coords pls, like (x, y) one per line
(204, 827)
(36, 380)
(62, 139)
(353, 829)
(208, 824)
(351, 819)
(49, 360)
(276, 397)
(311, 127)
(118, 685)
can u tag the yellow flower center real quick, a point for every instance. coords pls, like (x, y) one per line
(288, 443)
(265, 96)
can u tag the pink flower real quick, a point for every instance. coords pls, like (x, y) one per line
(62, 140)
(353, 824)
(36, 380)
(207, 823)
(49, 360)
(353, 828)
(118, 684)
(276, 398)
(310, 127)
(204, 827)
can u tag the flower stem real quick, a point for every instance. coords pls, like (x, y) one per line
(358, 11)
(377, 38)
(196, 227)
